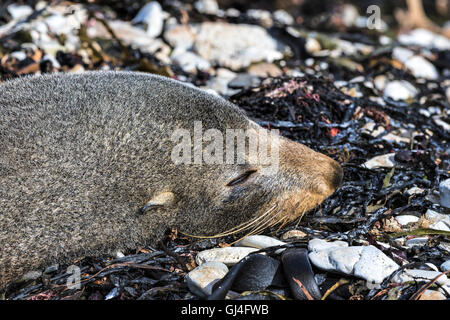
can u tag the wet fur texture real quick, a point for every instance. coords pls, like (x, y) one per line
(81, 154)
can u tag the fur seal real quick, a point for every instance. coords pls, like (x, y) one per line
(86, 168)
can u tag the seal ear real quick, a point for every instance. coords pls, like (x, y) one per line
(159, 200)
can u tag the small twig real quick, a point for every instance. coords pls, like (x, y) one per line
(420, 292)
(334, 287)
(302, 287)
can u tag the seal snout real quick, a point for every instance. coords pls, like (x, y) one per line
(337, 175)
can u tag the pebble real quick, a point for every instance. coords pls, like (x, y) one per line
(383, 161)
(236, 46)
(405, 219)
(400, 90)
(18, 11)
(190, 62)
(263, 16)
(440, 221)
(390, 137)
(152, 15)
(281, 16)
(219, 83)
(207, 6)
(228, 255)
(293, 234)
(414, 190)
(419, 241)
(265, 69)
(259, 242)
(445, 266)
(366, 262)
(402, 54)
(444, 193)
(19, 55)
(424, 38)
(202, 279)
(312, 46)
(416, 274)
(380, 82)
(244, 80)
(422, 68)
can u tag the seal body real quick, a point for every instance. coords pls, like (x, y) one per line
(87, 167)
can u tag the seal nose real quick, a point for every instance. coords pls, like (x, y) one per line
(337, 175)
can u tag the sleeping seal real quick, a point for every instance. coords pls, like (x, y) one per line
(97, 162)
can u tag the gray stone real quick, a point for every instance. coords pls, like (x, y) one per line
(419, 241)
(243, 80)
(366, 262)
(445, 266)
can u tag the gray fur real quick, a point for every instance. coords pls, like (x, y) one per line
(81, 154)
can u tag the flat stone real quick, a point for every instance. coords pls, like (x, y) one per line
(405, 219)
(229, 255)
(202, 279)
(414, 190)
(419, 241)
(293, 234)
(259, 242)
(382, 161)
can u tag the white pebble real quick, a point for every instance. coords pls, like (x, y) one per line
(405, 219)
(400, 90)
(259, 242)
(229, 255)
